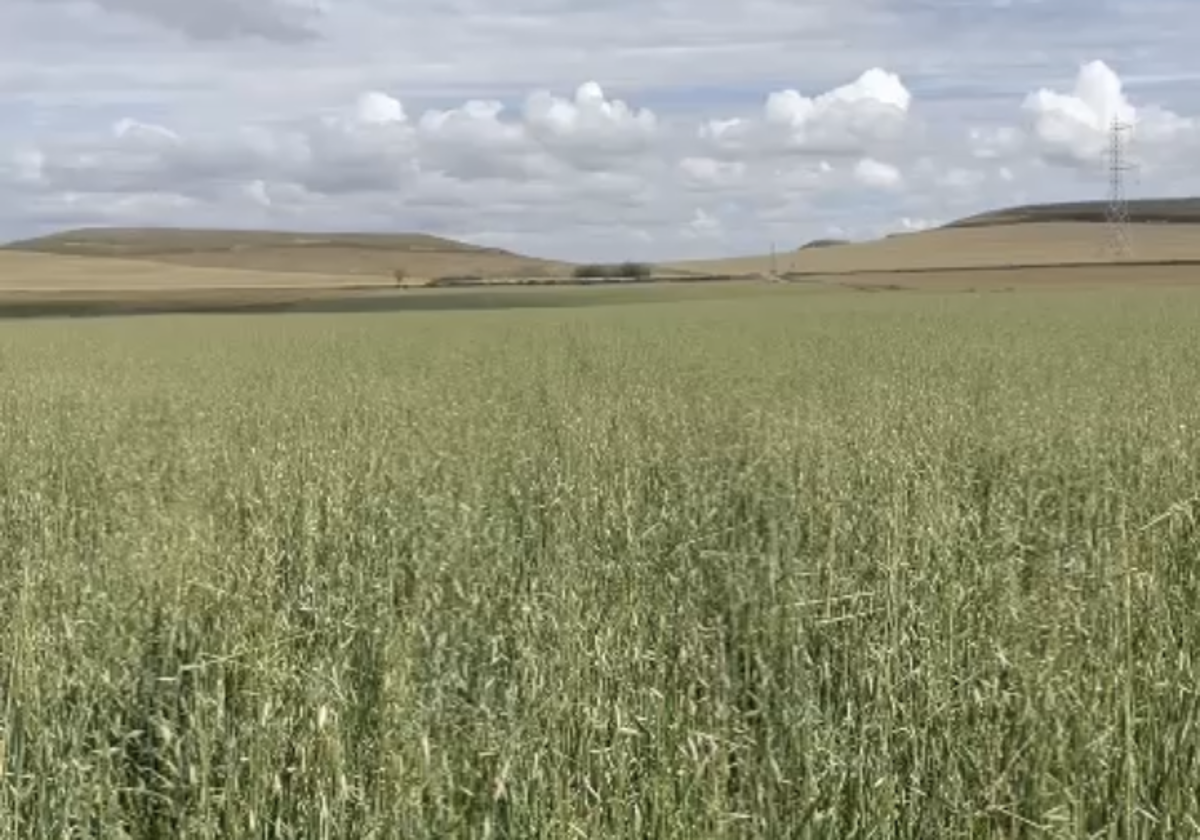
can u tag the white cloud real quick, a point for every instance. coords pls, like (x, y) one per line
(877, 174)
(703, 225)
(589, 125)
(908, 225)
(865, 114)
(568, 175)
(375, 108)
(259, 192)
(703, 173)
(709, 128)
(1074, 128)
(554, 163)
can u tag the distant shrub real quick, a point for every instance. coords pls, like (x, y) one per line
(824, 243)
(627, 270)
(635, 270)
(590, 271)
(457, 280)
(400, 275)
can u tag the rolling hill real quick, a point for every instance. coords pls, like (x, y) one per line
(340, 254)
(1163, 231)
(1041, 236)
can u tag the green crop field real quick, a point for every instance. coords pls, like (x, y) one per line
(784, 564)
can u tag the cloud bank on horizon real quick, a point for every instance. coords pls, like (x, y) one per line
(573, 130)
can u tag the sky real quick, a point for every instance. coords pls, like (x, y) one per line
(649, 130)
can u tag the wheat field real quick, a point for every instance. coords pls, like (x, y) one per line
(784, 564)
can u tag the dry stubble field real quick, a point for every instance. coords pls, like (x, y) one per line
(1040, 244)
(780, 564)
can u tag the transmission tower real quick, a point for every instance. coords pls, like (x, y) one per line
(1118, 243)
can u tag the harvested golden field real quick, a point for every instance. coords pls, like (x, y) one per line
(364, 262)
(1032, 244)
(340, 254)
(34, 272)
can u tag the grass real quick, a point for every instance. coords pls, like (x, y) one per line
(786, 565)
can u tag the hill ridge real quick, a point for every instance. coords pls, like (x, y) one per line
(168, 239)
(1184, 210)
(334, 252)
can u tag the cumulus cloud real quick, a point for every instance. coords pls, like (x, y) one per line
(581, 174)
(865, 114)
(212, 20)
(375, 108)
(705, 173)
(371, 146)
(589, 129)
(1073, 128)
(877, 174)
(583, 161)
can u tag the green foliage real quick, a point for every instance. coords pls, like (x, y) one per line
(796, 564)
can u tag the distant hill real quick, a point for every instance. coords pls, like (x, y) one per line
(1034, 243)
(823, 243)
(376, 254)
(1148, 210)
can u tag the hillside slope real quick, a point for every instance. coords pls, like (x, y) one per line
(1162, 230)
(976, 246)
(1141, 211)
(360, 254)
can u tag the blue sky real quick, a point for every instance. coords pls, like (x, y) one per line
(655, 129)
